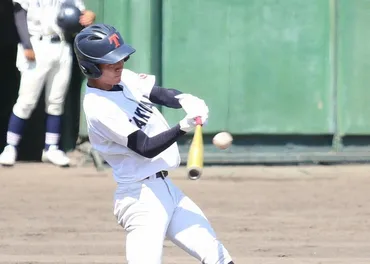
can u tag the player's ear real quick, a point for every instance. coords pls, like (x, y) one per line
(90, 70)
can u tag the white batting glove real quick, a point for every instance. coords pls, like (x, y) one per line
(192, 104)
(189, 122)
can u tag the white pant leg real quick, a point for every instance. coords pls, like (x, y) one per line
(33, 75)
(58, 79)
(190, 230)
(144, 210)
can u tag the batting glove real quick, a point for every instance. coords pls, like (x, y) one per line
(192, 105)
(188, 123)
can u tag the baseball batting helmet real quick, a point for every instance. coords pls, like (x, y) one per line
(99, 43)
(68, 18)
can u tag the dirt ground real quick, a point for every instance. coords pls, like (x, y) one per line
(266, 215)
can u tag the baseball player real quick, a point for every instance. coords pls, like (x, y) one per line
(44, 57)
(136, 141)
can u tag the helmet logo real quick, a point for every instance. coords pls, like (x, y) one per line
(114, 39)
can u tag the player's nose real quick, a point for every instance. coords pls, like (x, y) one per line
(118, 67)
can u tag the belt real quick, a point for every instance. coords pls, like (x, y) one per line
(52, 39)
(160, 174)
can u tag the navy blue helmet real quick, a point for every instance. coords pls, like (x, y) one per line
(68, 18)
(97, 44)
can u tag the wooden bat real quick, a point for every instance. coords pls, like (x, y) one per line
(195, 155)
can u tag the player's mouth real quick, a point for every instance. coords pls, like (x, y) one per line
(117, 78)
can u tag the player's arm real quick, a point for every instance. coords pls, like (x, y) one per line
(114, 125)
(150, 147)
(165, 97)
(20, 17)
(173, 98)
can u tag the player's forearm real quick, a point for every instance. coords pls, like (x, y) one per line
(150, 147)
(164, 96)
(20, 17)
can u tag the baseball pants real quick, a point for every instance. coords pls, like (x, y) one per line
(51, 68)
(154, 209)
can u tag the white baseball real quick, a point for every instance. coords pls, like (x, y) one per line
(222, 140)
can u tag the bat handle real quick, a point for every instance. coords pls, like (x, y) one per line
(198, 120)
(194, 174)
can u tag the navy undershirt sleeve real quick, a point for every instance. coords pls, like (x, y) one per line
(150, 147)
(20, 17)
(165, 97)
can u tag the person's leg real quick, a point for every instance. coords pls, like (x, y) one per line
(33, 74)
(56, 90)
(144, 210)
(190, 230)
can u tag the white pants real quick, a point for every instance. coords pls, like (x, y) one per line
(52, 67)
(153, 209)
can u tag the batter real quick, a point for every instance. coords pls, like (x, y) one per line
(136, 141)
(44, 57)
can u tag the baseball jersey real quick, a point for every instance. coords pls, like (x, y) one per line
(42, 14)
(113, 115)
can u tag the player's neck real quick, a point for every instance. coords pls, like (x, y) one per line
(98, 85)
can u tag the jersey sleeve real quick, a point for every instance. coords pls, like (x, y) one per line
(23, 3)
(114, 125)
(143, 82)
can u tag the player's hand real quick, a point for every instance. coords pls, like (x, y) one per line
(29, 54)
(188, 123)
(192, 104)
(87, 18)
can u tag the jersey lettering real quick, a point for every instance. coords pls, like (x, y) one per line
(142, 114)
(139, 123)
(146, 106)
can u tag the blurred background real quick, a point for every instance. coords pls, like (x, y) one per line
(289, 79)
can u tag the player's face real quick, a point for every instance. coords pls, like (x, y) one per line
(111, 73)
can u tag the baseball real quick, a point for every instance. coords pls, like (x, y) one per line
(222, 140)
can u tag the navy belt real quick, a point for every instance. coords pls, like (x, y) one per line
(160, 174)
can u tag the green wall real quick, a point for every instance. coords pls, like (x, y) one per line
(353, 67)
(263, 66)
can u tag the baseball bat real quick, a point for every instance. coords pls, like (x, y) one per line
(196, 150)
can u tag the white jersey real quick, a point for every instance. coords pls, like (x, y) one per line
(42, 14)
(113, 115)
